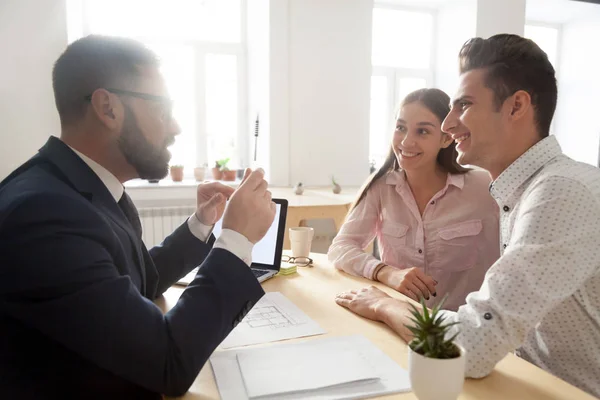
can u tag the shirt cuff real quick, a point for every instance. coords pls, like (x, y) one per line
(198, 229)
(370, 268)
(235, 243)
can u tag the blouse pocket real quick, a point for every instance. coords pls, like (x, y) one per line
(458, 247)
(394, 232)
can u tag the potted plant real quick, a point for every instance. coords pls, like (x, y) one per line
(176, 173)
(217, 173)
(228, 174)
(337, 189)
(200, 173)
(436, 365)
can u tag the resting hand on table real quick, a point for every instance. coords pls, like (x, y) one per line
(372, 303)
(364, 302)
(211, 199)
(411, 282)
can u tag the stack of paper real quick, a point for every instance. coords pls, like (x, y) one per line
(334, 368)
(287, 269)
(302, 368)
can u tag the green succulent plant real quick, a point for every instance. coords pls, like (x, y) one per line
(222, 164)
(429, 330)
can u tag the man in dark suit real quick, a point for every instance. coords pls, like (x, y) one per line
(76, 281)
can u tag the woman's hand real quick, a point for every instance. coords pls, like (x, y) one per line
(411, 282)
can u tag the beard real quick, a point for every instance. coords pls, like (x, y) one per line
(150, 162)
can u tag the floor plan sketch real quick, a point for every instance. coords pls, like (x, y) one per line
(269, 316)
(273, 318)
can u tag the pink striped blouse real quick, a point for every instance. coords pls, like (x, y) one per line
(455, 241)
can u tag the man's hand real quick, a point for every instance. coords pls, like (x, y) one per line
(211, 199)
(375, 304)
(364, 302)
(250, 210)
(411, 282)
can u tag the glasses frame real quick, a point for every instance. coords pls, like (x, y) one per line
(167, 102)
(292, 260)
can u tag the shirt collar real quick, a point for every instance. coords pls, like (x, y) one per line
(525, 167)
(110, 181)
(398, 178)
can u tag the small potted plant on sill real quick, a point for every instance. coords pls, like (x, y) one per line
(176, 173)
(337, 189)
(224, 172)
(217, 173)
(200, 173)
(436, 365)
(228, 174)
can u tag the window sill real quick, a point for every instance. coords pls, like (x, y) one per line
(166, 192)
(168, 183)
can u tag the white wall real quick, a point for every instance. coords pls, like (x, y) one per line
(329, 90)
(450, 36)
(33, 33)
(577, 125)
(505, 16)
(279, 93)
(258, 82)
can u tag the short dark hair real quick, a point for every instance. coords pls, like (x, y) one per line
(94, 62)
(514, 63)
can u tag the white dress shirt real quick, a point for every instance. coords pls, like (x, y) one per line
(542, 297)
(229, 240)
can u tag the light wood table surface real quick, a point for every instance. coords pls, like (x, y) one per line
(313, 291)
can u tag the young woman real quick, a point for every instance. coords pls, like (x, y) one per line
(435, 221)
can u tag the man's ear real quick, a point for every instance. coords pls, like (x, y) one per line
(519, 103)
(105, 107)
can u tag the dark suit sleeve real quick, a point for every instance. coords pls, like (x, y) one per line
(177, 255)
(59, 277)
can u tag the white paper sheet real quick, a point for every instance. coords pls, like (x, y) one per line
(273, 318)
(391, 377)
(303, 367)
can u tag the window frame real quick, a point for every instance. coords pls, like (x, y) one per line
(394, 74)
(201, 48)
(559, 40)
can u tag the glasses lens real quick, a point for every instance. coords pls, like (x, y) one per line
(304, 261)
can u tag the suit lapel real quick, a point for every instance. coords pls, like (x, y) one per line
(87, 183)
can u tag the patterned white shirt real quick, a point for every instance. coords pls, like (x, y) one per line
(542, 297)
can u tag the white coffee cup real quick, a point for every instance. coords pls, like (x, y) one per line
(301, 239)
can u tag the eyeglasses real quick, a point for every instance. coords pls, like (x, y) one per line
(167, 103)
(299, 261)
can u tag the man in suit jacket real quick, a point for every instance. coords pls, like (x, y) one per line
(76, 281)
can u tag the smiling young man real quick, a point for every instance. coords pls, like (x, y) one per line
(542, 297)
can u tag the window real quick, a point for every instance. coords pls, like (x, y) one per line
(545, 36)
(402, 62)
(201, 47)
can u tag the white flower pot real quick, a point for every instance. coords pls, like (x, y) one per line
(435, 379)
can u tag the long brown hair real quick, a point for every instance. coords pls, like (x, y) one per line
(438, 103)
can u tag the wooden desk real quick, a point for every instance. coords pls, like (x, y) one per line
(313, 290)
(315, 203)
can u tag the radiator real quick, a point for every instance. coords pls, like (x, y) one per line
(159, 222)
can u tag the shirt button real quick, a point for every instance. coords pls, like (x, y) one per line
(506, 208)
(420, 251)
(504, 246)
(487, 316)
